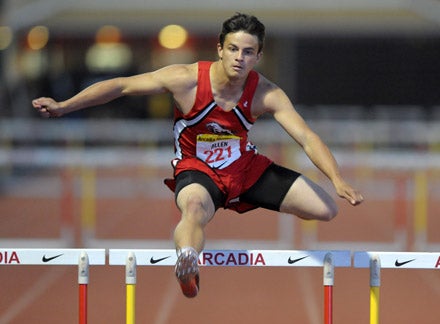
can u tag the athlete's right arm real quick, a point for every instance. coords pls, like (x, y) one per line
(159, 81)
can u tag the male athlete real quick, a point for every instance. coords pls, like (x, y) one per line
(216, 103)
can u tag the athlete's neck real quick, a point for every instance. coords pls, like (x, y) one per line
(221, 80)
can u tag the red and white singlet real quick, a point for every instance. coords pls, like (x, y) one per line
(214, 141)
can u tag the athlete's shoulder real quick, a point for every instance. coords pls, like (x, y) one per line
(191, 68)
(267, 95)
(265, 88)
(264, 84)
(204, 64)
(180, 70)
(177, 77)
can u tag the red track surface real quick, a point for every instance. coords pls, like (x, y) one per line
(33, 294)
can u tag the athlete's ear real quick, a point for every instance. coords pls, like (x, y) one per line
(259, 55)
(220, 51)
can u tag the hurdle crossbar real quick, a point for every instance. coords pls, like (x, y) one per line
(234, 258)
(11, 256)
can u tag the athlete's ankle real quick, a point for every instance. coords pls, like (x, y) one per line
(188, 250)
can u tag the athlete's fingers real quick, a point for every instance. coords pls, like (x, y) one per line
(40, 102)
(351, 195)
(46, 107)
(354, 197)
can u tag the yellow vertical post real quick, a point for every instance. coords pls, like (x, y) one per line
(67, 204)
(130, 282)
(363, 170)
(374, 289)
(88, 202)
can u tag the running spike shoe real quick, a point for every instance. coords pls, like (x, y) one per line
(187, 271)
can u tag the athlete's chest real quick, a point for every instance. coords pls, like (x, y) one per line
(215, 120)
(227, 99)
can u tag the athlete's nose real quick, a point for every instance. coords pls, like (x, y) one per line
(240, 55)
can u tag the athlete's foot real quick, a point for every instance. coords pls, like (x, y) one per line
(187, 271)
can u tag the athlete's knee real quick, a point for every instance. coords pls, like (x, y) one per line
(194, 204)
(330, 211)
(327, 208)
(195, 208)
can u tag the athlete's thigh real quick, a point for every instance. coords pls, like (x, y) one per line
(197, 196)
(271, 187)
(308, 200)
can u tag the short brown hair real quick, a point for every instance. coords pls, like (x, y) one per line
(243, 22)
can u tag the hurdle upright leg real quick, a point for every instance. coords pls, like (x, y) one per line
(130, 282)
(329, 279)
(374, 289)
(83, 281)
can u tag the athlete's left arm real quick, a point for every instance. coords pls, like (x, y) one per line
(275, 101)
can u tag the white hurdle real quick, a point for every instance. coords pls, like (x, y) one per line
(234, 258)
(375, 261)
(82, 258)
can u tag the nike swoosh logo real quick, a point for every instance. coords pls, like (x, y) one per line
(219, 166)
(290, 261)
(154, 261)
(399, 264)
(46, 259)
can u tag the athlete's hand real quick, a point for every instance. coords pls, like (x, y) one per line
(47, 107)
(344, 190)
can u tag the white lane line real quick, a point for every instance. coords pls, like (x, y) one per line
(432, 280)
(170, 298)
(309, 297)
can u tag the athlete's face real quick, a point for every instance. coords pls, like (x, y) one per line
(239, 53)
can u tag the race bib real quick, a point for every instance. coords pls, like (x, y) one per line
(218, 151)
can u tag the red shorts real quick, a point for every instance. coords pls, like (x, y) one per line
(233, 180)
